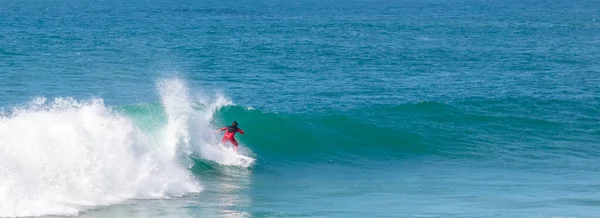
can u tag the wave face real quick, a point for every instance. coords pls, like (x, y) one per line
(493, 130)
(63, 156)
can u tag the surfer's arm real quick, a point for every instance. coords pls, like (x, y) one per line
(241, 131)
(221, 129)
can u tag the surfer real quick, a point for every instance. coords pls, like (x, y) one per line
(230, 132)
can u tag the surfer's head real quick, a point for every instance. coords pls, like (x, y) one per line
(234, 124)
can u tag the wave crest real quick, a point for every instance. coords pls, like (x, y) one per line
(62, 156)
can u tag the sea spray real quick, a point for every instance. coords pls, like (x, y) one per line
(59, 157)
(190, 121)
(63, 156)
(177, 106)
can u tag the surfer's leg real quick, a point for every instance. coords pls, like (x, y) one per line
(235, 143)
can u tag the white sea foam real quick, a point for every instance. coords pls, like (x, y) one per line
(62, 156)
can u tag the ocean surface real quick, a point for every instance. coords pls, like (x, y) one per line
(359, 108)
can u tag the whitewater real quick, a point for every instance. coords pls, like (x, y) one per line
(64, 156)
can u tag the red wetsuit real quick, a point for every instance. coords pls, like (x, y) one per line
(231, 130)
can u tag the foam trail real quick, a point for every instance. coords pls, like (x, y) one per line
(64, 156)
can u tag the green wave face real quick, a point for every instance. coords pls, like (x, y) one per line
(467, 129)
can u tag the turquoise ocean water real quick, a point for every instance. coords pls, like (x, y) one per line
(380, 108)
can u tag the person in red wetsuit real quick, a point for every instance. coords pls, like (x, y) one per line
(230, 132)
